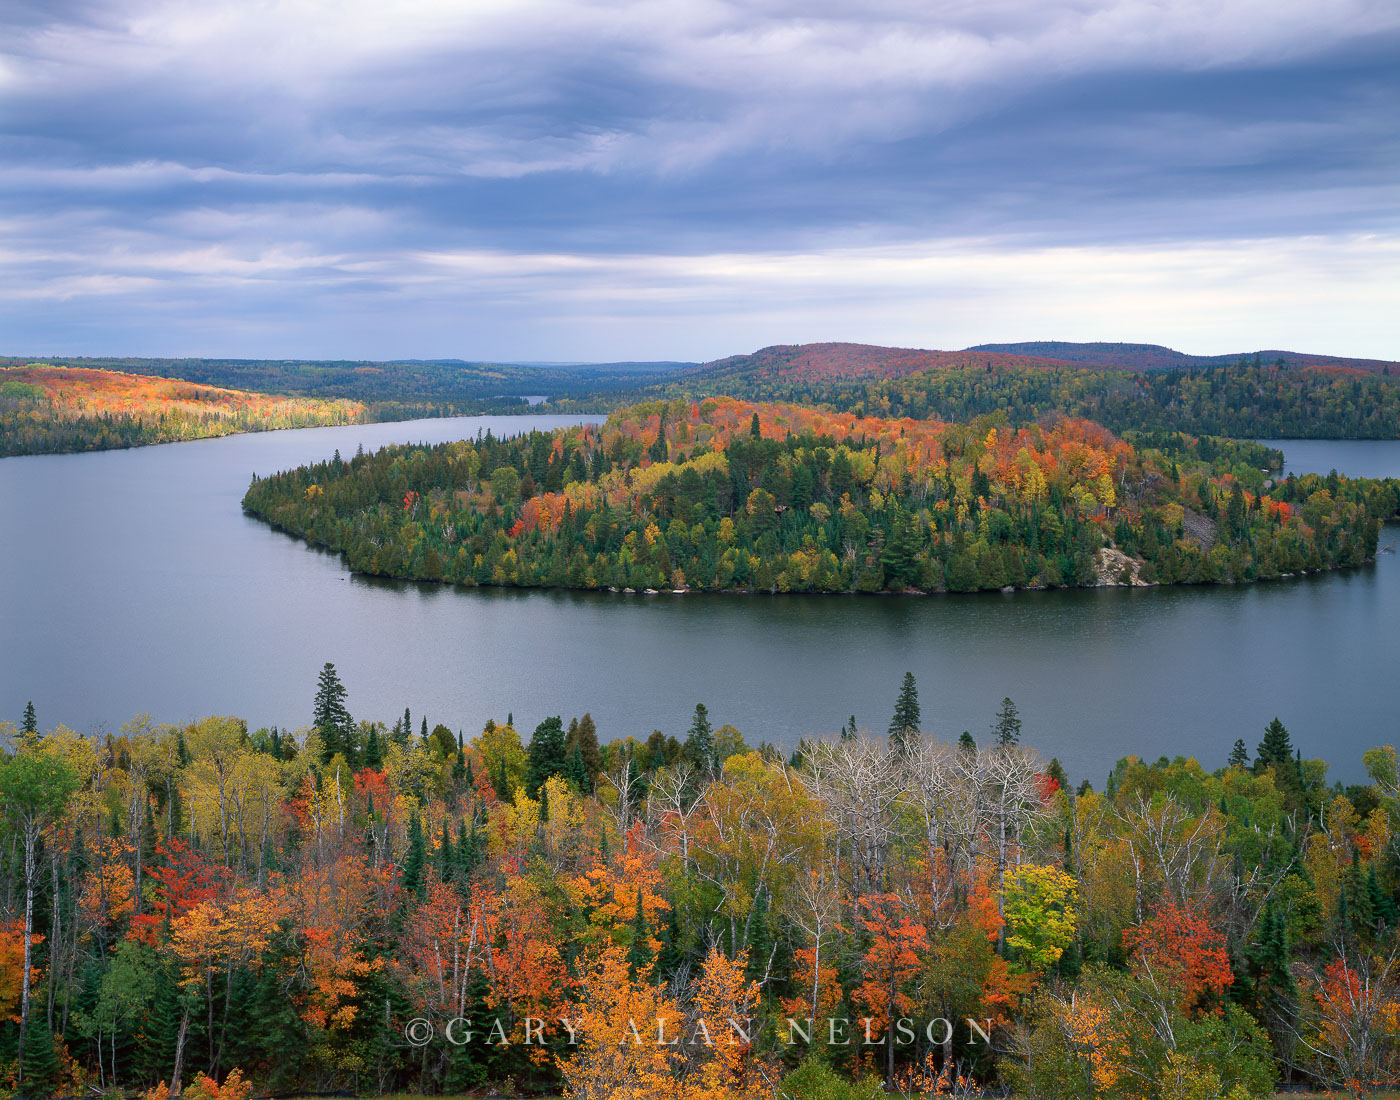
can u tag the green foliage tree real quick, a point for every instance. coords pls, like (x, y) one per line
(904, 726)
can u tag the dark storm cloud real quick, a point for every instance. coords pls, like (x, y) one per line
(226, 169)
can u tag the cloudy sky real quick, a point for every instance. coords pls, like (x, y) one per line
(684, 179)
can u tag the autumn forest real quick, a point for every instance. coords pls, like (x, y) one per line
(381, 907)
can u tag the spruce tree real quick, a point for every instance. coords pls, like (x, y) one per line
(589, 751)
(1276, 750)
(1007, 727)
(413, 881)
(700, 741)
(546, 756)
(639, 952)
(330, 717)
(966, 742)
(445, 861)
(39, 1066)
(374, 749)
(1239, 755)
(30, 723)
(577, 773)
(904, 726)
(849, 731)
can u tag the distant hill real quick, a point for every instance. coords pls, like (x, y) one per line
(1157, 357)
(822, 362)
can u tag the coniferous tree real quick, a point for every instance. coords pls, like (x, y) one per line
(1007, 727)
(1276, 750)
(39, 1066)
(904, 726)
(30, 723)
(577, 772)
(330, 717)
(700, 740)
(445, 860)
(413, 881)
(546, 756)
(589, 750)
(1239, 755)
(966, 742)
(849, 730)
(374, 749)
(639, 952)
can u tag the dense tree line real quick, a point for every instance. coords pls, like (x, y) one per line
(45, 410)
(1245, 399)
(183, 902)
(722, 495)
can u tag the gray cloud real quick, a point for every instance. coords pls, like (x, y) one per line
(220, 164)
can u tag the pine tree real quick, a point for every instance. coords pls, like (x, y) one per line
(700, 741)
(546, 756)
(755, 428)
(639, 952)
(1007, 727)
(588, 749)
(966, 742)
(1239, 755)
(578, 773)
(1276, 749)
(849, 731)
(374, 750)
(445, 860)
(904, 726)
(30, 723)
(468, 853)
(330, 717)
(39, 1066)
(413, 881)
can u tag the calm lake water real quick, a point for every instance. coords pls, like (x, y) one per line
(131, 581)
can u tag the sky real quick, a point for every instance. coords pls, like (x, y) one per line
(688, 179)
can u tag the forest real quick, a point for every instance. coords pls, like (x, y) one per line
(199, 909)
(723, 494)
(46, 409)
(1277, 399)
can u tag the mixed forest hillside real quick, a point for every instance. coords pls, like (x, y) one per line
(724, 494)
(1157, 357)
(362, 906)
(45, 408)
(1283, 397)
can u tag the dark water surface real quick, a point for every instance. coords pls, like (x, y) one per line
(131, 581)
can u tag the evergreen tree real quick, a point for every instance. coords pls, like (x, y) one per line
(413, 881)
(755, 428)
(39, 1066)
(849, 731)
(445, 861)
(577, 773)
(700, 741)
(30, 723)
(374, 751)
(589, 751)
(904, 726)
(1239, 755)
(182, 750)
(468, 853)
(639, 952)
(546, 756)
(1007, 727)
(403, 728)
(966, 742)
(423, 733)
(330, 717)
(1276, 750)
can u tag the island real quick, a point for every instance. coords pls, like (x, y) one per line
(729, 495)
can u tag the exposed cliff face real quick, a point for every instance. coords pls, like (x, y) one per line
(1113, 567)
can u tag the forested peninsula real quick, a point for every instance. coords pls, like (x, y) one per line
(726, 495)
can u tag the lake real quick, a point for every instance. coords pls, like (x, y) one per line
(131, 581)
